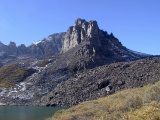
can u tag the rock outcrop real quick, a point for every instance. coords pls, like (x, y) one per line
(22, 49)
(82, 31)
(13, 48)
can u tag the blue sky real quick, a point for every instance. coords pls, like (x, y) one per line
(136, 23)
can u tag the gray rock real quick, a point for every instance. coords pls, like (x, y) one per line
(103, 81)
(22, 49)
(81, 31)
(48, 46)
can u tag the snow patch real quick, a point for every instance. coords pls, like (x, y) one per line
(36, 43)
(23, 84)
(39, 69)
(49, 38)
(24, 96)
(3, 91)
(1, 104)
(44, 40)
(11, 92)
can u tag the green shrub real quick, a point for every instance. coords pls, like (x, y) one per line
(133, 103)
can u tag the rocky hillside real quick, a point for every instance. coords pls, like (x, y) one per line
(103, 81)
(84, 63)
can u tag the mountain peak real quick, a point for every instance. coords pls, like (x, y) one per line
(81, 31)
(12, 44)
(1, 44)
(79, 22)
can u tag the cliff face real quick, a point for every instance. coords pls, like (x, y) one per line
(80, 32)
(88, 31)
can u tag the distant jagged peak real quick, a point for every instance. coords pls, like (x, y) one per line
(48, 46)
(53, 37)
(79, 22)
(22, 45)
(1, 44)
(12, 44)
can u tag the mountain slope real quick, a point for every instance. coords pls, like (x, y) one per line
(85, 46)
(97, 43)
(103, 81)
(79, 65)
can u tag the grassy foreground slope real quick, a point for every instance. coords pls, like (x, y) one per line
(132, 104)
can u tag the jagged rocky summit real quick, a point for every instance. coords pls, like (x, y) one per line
(82, 31)
(95, 46)
(68, 64)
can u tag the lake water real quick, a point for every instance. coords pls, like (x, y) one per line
(27, 112)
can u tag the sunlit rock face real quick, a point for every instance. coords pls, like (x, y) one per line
(81, 31)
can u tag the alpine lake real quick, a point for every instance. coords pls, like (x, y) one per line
(27, 112)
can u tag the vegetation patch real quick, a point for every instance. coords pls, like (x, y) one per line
(13, 73)
(43, 63)
(132, 104)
